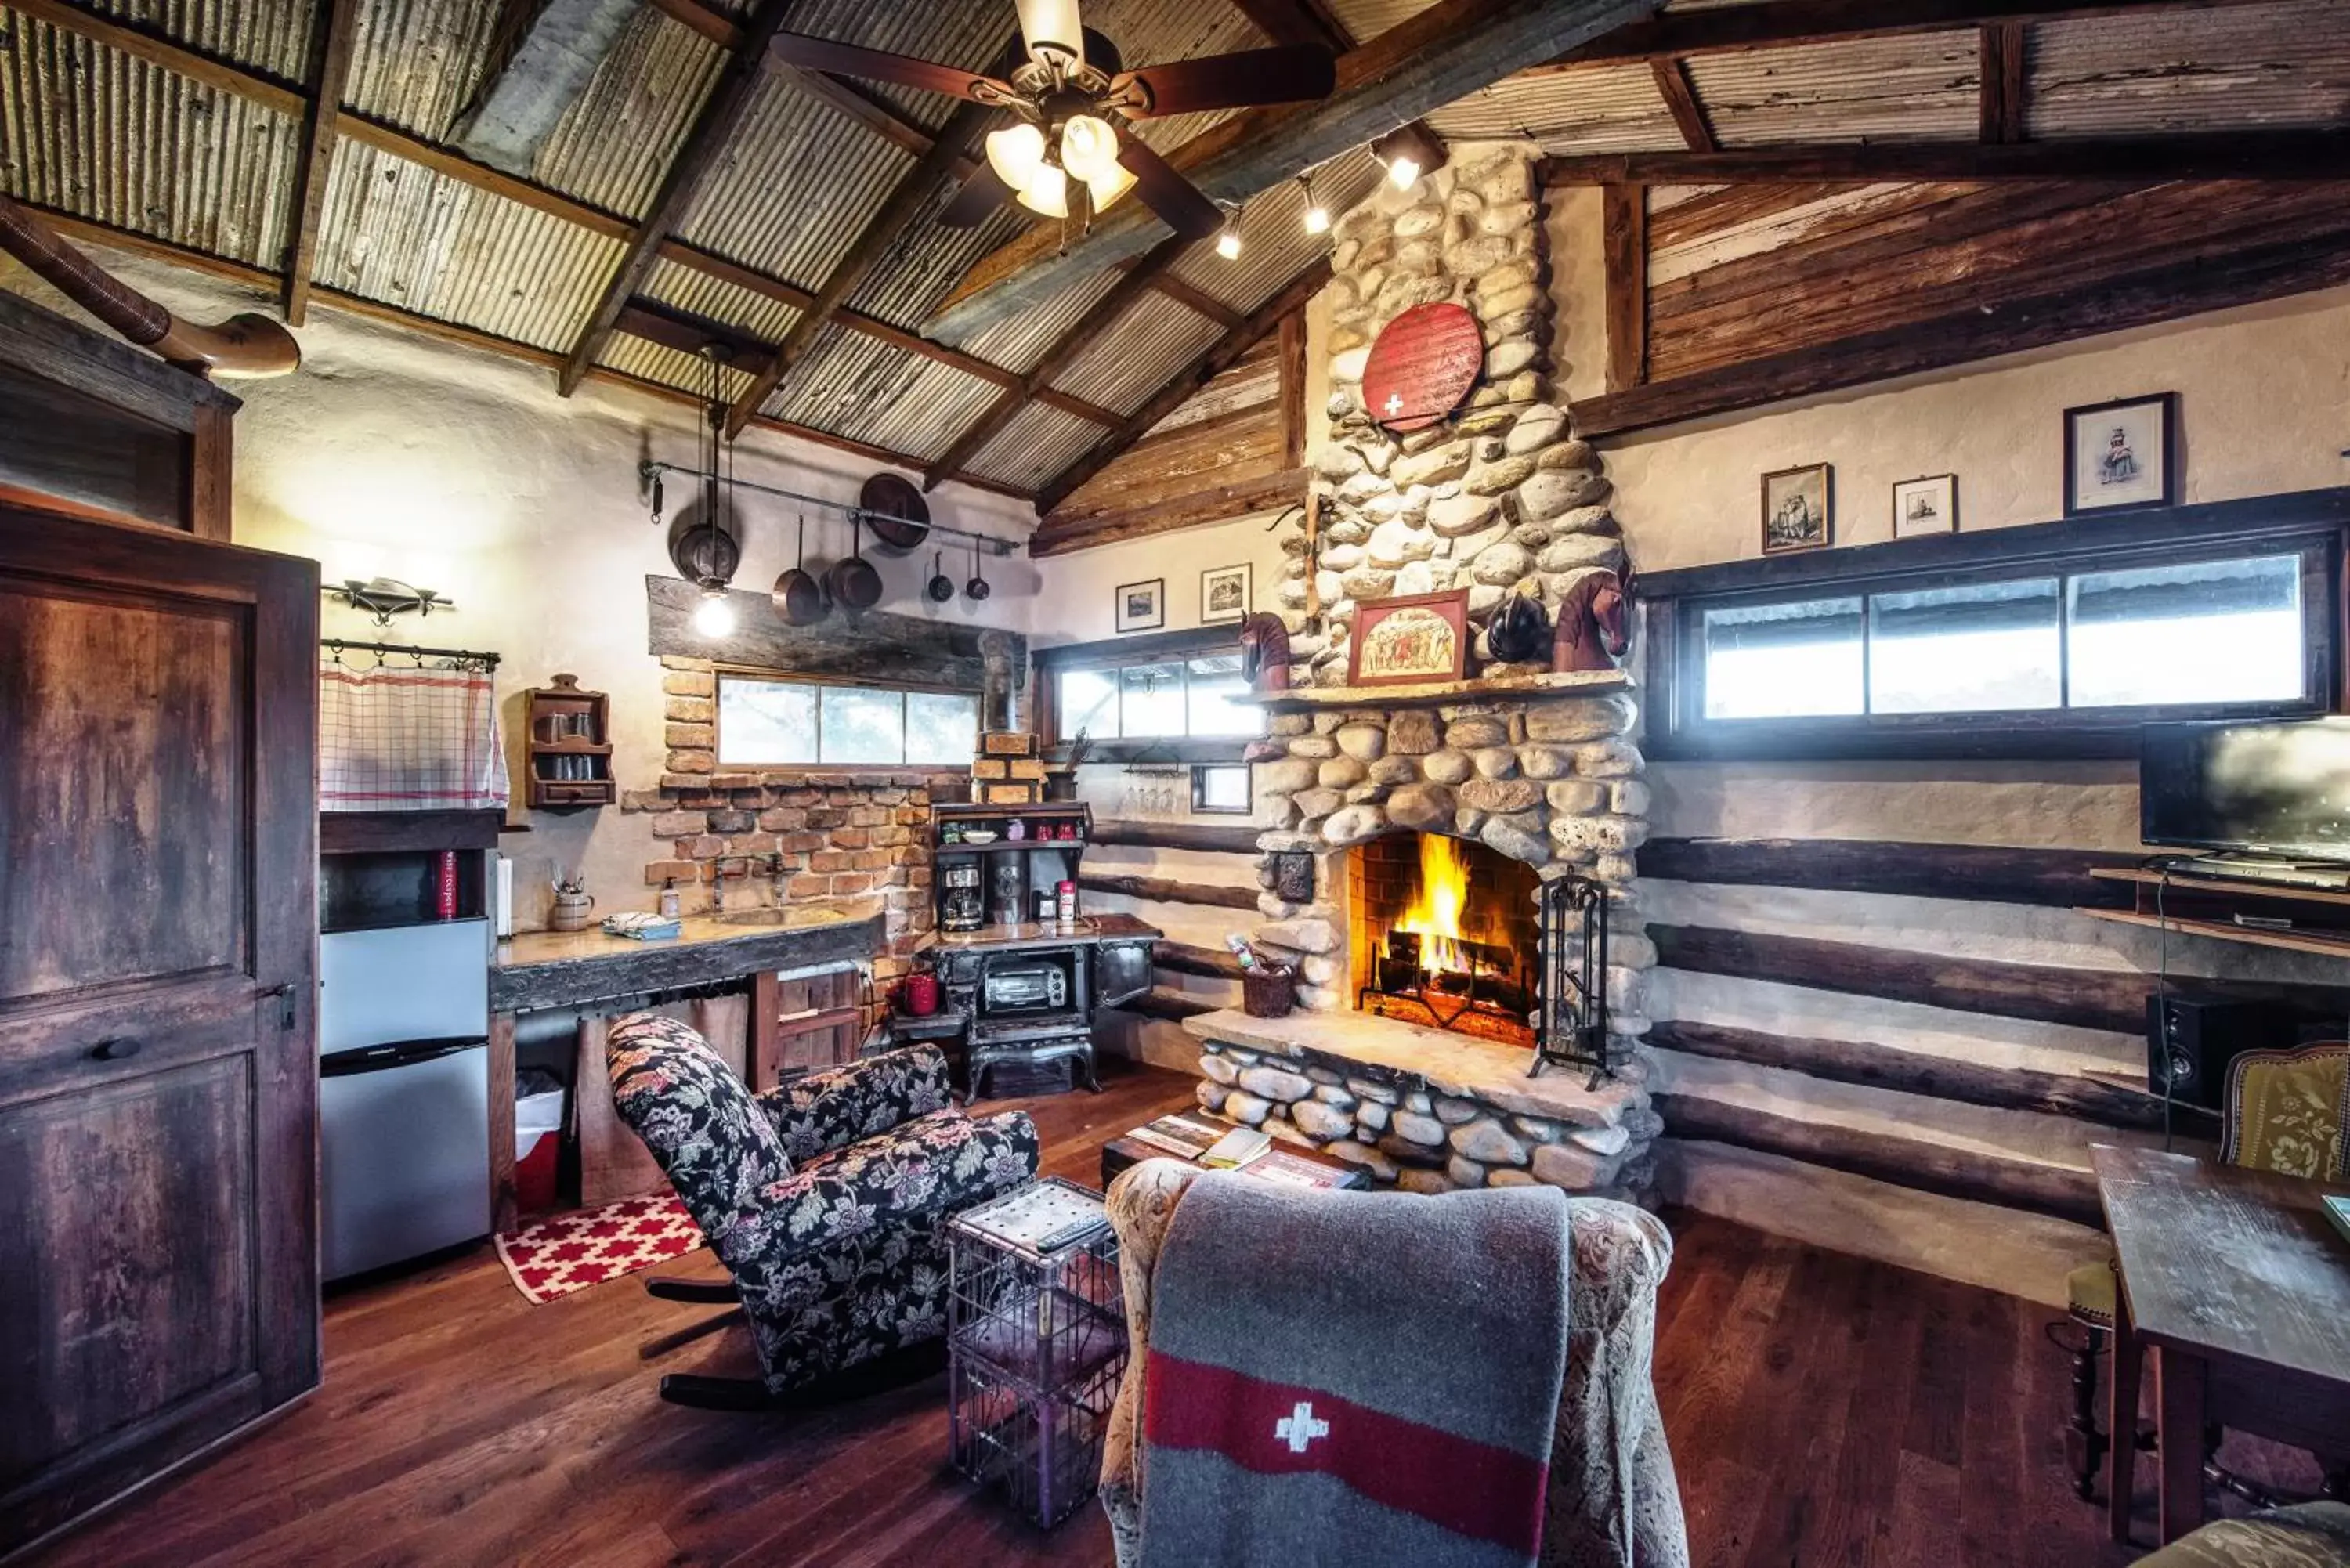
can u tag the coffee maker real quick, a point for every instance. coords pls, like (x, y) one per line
(962, 894)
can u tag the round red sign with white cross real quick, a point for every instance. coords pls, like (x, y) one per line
(1423, 365)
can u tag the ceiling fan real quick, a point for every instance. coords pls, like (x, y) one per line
(1072, 99)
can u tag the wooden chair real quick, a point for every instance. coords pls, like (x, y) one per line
(2285, 1111)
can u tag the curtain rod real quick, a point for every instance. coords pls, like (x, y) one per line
(343, 644)
(651, 469)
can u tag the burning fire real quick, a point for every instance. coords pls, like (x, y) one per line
(1438, 904)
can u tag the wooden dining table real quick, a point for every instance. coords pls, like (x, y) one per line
(2236, 1289)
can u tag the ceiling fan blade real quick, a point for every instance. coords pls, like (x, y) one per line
(981, 193)
(1166, 192)
(1293, 73)
(848, 59)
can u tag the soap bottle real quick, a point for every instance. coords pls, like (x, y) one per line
(669, 900)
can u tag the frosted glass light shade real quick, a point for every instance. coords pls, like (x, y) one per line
(1088, 148)
(1046, 192)
(1015, 153)
(713, 616)
(1108, 187)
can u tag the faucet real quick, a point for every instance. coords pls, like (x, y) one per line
(718, 887)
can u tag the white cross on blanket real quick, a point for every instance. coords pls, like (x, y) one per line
(1299, 1427)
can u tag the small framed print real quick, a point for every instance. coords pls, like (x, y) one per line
(1797, 504)
(1401, 642)
(1224, 595)
(1928, 506)
(1142, 607)
(2121, 456)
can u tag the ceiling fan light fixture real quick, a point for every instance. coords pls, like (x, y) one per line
(1046, 193)
(1108, 187)
(1052, 32)
(1015, 153)
(1088, 148)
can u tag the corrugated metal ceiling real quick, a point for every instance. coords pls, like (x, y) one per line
(1017, 342)
(1275, 246)
(417, 61)
(1039, 443)
(1591, 108)
(614, 143)
(2283, 65)
(1918, 87)
(1142, 349)
(272, 36)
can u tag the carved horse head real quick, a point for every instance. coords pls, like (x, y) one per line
(1264, 652)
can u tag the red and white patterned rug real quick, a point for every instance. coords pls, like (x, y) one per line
(552, 1258)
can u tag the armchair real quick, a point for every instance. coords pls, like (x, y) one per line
(823, 1197)
(1613, 1499)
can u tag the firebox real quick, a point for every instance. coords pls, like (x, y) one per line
(1446, 932)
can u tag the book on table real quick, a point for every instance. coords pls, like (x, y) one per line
(1237, 1149)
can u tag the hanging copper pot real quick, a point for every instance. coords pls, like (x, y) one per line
(799, 598)
(853, 582)
(899, 516)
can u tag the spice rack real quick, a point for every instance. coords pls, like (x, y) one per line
(568, 747)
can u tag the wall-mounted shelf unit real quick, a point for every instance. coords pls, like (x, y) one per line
(567, 747)
(2208, 907)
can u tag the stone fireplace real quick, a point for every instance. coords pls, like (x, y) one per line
(1476, 794)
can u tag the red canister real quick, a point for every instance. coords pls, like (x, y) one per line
(918, 995)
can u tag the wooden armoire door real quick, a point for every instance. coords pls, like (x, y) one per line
(159, 1284)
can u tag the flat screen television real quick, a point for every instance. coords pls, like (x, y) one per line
(2279, 789)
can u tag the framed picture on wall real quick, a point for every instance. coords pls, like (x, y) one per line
(1224, 593)
(1419, 637)
(1928, 506)
(1796, 505)
(1141, 606)
(2121, 455)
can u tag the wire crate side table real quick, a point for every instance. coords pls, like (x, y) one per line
(1036, 1344)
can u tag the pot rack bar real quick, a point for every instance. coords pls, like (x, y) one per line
(651, 469)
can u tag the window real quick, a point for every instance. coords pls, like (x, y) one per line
(2052, 640)
(1221, 788)
(765, 720)
(1175, 697)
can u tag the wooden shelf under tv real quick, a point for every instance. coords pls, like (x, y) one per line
(2252, 936)
(2236, 886)
(2187, 904)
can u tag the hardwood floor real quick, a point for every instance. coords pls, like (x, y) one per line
(1822, 1409)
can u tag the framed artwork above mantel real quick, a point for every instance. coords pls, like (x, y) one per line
(1410, 640)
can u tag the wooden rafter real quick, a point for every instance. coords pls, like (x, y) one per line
(721, 115)
(282, 99)
(333, 37)
(913, 192)
(1775, 24)
(1624, 250)
(1679, 94)
(2005, 86)
(2293, 155)
(462, 336)
(1218, 357)
(1298, 22)
(1079, 336)
(1430, 59)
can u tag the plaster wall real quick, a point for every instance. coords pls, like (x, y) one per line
(462, 471)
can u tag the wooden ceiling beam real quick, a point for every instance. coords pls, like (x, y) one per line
(2294, 155)
(1679, 94)
(335, 33)
(1219, 357)
(1298, 22)
(1777, 24)
(2006, 87)
(906, 201)
(721, 115)
(1073, 341)
(464, 337)
(1432, 59)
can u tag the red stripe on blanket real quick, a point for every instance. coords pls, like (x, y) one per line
(1470, 1488)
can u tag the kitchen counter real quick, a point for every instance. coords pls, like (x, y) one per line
(1086, 930)
(566, 969)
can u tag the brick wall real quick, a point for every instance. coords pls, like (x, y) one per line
(828, 833)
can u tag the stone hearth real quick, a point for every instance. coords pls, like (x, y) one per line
(1425, 1110)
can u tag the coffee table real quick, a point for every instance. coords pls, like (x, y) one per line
(1126, 1150)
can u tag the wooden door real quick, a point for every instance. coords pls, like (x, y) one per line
(159, 1281)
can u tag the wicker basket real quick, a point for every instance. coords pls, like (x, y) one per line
(1268, 992)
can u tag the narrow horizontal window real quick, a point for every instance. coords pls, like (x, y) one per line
(766, 721)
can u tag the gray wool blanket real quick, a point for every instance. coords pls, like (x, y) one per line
(1364, 1378)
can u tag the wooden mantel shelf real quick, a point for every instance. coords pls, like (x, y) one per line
(1426, 694)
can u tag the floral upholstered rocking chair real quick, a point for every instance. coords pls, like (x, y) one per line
(824, 1197)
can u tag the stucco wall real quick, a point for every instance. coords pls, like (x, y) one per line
(463, 471)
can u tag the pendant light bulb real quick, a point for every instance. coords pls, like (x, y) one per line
(1317, 216)
(1046, 192)
(1015, 153)
(1052, 33)
(1088, 148)
(1228, 238)
(1403, 172)
(1108, 186)
(713, 616)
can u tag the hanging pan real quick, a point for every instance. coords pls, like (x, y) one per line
(977, 587)
(854, 583)
(940, 587)
(798, 597)
(900, 518)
